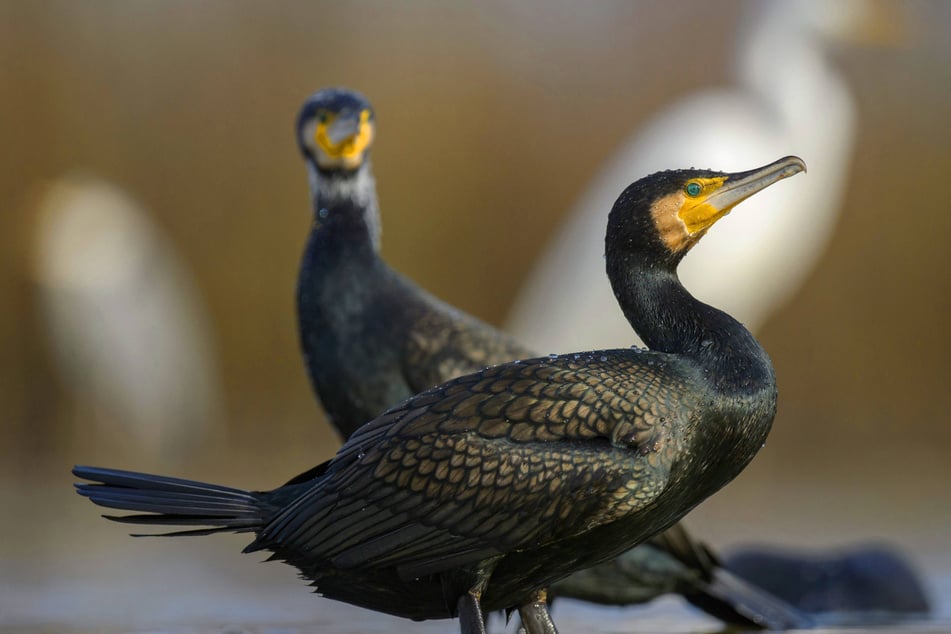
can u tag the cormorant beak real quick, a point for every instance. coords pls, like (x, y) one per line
(740, 186)
(343, 127)
(720, 194)
(343, 141)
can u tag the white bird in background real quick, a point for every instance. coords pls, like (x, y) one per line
(126, 328)
(787, 99)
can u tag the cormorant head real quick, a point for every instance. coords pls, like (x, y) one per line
(663, 215)
(335, 129)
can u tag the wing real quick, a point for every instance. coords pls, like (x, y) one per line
(512, 457)
(445, 343)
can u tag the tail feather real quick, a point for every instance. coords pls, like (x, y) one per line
(733, 600)
(134, 479)
(164, 501)
(722, 594)
(221, 525)
(161, 502)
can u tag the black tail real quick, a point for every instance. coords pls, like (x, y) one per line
(722, 594)
(174, 502)
(733, 600)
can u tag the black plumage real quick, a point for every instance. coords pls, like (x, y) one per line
(484, 490)
(673, 562)
(371, 338)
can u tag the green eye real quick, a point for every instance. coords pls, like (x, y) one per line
(693, 189)
(322, 116)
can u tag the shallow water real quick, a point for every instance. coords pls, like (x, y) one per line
(186, 596)
(63, 569)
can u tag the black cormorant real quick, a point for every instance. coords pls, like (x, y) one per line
(479, 493)
(372, 338)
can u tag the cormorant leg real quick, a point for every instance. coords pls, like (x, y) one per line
(535, 617)
(469, 609)
(469, 604)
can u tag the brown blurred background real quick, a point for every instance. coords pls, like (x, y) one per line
(491, 119)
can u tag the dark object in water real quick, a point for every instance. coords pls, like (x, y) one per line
(481, 492)
(873, 579)
(671, 563)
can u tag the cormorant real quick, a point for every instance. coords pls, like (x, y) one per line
(479, 493)
(371, 338)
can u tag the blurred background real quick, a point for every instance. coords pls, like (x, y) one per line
(149, 164)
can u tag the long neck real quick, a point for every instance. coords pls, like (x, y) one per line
(342, 251)
(345, 202)
(669, 319)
